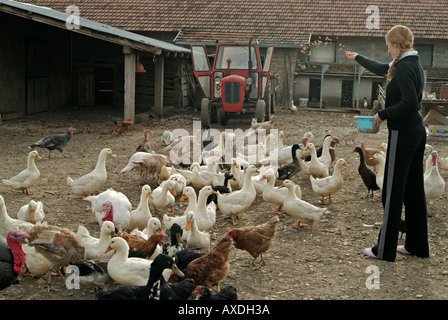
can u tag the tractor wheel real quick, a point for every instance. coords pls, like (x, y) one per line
(222, 117)
(205, 112)
(260, 110)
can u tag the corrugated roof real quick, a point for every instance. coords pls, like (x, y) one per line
(272, 21)
(94, 25)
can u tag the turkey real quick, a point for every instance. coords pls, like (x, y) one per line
(12, 258)
(54, 142)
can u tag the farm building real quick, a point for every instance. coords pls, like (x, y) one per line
(309, 66)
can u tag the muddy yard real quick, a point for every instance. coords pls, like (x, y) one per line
(323, 263)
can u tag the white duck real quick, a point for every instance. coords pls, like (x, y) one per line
(275, 195)
(325, 157)
(299, 209)
(180, 182)
(93, 181)
(26, 178)
(314, 167)
(111, 205)
(126, 271)
(153, 226)
(95, 247)
(196, 238)
(7, 223)
(443, 163)
(381, 163)
(163, 196)
(189, 193)
(205, 215)
(325, 187)
(32, 212)
(434, 183)
(234, 203)
(199, 179)
(141, 215)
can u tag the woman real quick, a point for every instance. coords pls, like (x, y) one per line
(403, 176)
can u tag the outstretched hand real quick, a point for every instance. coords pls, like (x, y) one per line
(351, 55)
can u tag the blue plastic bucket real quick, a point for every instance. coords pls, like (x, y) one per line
(365, 123)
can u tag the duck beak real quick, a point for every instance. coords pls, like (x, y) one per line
(32, 214)
(176, 271)
(183, 197)
(262, 178)
(113, 155)
(281, 186)
(173, 192)
(215, 192)
(346, 165)
(108, 249)
(188, 226)
(150, 195)
(38, 157)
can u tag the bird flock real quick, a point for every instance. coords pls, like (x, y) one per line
(152, 252)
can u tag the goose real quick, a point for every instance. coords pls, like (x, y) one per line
(314, 167)
(95, 247)
(196, 238)
(434, 183)
(275, 195)
(32, 212)
(124, 270)
(163, 196)
(111, 205)
(299, 209)
(141, 215)
(234, 203)
(27, 177)
(325, 187)
(91, 182)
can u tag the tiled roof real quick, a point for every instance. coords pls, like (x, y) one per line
(271, 21)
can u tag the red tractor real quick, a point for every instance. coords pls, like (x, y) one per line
(238, 81)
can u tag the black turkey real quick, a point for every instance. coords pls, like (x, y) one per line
(54, 142)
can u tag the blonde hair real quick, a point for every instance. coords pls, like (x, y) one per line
(402, 36)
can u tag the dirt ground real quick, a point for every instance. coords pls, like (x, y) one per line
(324, 263)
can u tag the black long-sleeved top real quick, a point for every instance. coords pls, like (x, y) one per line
(403, 92)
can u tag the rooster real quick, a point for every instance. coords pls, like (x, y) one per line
(122, 126)
(255, 239)
(54, 142)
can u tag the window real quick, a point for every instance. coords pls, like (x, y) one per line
(425, 51)
(238, 55)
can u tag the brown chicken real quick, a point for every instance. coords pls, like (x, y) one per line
(368, 154)
(151, 166)
(138, 243)
(255, 239)
(145, 144)
(211, 268)
(122, 126)
(59, 245)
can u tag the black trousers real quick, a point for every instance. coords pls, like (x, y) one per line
(403, 184)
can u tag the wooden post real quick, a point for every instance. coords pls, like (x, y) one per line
(158, 85)
(129, 86)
